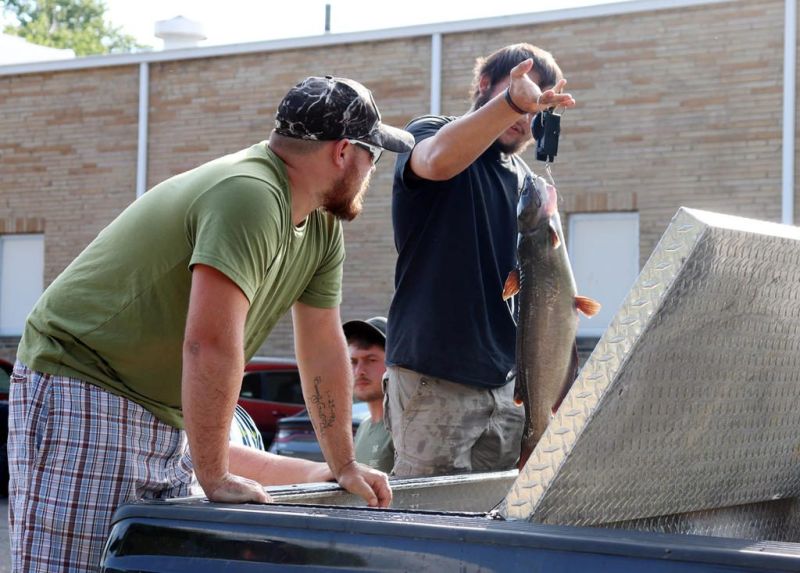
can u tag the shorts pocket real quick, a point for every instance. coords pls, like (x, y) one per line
(19, 373)
(419, 394)
(420, 402)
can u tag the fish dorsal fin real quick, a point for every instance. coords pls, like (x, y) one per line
(511, 287)
(587, 306)
(555, 240)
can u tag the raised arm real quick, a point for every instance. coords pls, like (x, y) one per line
(327, 381)
(459, 143)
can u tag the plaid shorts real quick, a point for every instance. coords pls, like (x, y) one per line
(75, 453)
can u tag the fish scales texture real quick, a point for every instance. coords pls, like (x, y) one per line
(548, 318)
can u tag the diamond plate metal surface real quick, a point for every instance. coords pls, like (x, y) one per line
(689, 402)
(773, 520)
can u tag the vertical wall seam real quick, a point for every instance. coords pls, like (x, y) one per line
(436, 73)
(144, 106)
(789, 102)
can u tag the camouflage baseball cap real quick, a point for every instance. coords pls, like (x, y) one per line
(329, 108)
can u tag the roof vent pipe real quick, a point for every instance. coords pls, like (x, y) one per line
(180, 32)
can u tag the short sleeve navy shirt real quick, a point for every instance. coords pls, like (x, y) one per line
(456, 244)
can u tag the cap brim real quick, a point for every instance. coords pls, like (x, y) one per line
(354, 327)
(391, 138)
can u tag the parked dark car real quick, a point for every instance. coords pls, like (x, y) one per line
(271, 391)
(296, 435)
(5, 376)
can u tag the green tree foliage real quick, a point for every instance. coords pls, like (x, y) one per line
(79, 25)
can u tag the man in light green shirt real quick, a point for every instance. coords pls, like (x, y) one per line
(131, 362)
(366, 340)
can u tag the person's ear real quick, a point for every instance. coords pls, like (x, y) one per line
(339, 151)
(484, 84)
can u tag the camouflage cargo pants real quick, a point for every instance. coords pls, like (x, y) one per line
(440, 427)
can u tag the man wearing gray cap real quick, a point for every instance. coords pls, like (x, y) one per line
(141, 342)
(366, 340)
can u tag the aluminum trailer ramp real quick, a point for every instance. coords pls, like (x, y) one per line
(686, 417)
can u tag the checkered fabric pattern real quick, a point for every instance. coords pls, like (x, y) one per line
(244, 430)
(75, 453)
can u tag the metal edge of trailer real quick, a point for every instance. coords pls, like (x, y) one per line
(688, 403)
(478, 492)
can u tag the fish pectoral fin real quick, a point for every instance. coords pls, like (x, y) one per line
(555, 240)
(519, 398)
(511, 287)
(587, 306)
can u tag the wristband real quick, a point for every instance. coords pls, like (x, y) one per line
(511, 103)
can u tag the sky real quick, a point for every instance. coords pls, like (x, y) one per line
(237, 21)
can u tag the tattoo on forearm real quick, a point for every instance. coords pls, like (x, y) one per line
(326, 410)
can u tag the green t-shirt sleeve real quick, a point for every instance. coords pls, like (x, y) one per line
(325, 288)
(234, 227)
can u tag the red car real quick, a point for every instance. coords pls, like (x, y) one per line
(271, 391)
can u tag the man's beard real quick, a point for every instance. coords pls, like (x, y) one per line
(345, 199)
(513, 147)
(370, 395)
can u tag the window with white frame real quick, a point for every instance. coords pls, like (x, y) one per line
(604, 252)
(21, 279)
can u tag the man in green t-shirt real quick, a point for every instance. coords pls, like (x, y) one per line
(131, 362)
(366, 340)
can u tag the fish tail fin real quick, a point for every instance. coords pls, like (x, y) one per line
(587, 306)
(525, 453)
(526, 446)
(511, 287)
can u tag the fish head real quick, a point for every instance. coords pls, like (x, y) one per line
(537, 204)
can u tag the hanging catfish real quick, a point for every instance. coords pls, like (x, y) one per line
(548, 306)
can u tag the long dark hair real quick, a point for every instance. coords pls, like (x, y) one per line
(497, 66)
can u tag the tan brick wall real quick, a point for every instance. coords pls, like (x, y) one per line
(202, 109)
(676, 107)
(67, 155)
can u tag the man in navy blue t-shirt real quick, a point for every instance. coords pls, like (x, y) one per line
(451, 338)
